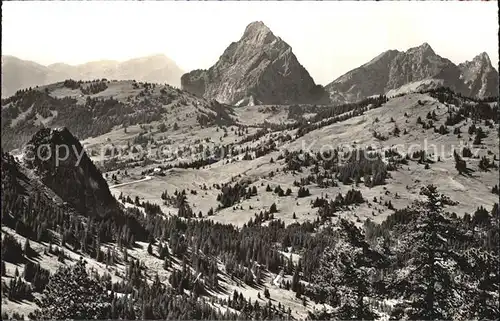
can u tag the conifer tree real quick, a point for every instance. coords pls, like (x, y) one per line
(431, 285)
(72, 294)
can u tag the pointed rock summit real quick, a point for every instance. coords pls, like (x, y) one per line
(260, 68)
(62, 165)
(420, 63)
(479, 76)
(424, 48)
(415, 69)
(258, 29)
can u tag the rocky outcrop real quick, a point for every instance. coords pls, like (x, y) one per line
(40, 194)
(195, 82)
(258, 69)
(72, 174)
(479, 76)
(421, 63)
(417, 68)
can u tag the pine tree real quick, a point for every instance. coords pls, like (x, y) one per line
(27, 248)
(460, 164)
(479, 136)
(484, 298)
(267, 295)
(160, 248)
(295, 280)
(431, 283)
(72, 294)
(354, 266)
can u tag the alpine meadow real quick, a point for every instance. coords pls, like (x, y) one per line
(218, 180)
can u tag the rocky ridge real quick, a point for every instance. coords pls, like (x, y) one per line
(393, 69)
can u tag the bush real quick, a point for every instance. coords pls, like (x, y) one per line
(162, 127)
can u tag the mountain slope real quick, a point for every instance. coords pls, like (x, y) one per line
(57, 185)
(90, 109)
(392, 70)
(260, 69)
(303, 257)
(363, 81)
(20, 74)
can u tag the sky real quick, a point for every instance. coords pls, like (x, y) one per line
(329, 38)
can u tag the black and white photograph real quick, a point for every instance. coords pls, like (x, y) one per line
(250, 160)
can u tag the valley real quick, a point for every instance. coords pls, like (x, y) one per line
(254, 193)
(186, 175)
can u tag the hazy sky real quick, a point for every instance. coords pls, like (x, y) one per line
(329, 37)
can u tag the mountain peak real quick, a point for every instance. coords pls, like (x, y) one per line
(74, 178)
(257, 32)
(424, 49)
(260, 67)
(425, 45)
(418, 67)
(483, 57)
(479, 76)
(256, 27)
(56, 135)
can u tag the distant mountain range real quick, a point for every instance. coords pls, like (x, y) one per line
(417, 68)
(19, 74)
(261, 69)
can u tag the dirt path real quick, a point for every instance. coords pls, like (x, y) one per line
(147, 178)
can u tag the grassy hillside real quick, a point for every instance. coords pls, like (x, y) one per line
(263, 212)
